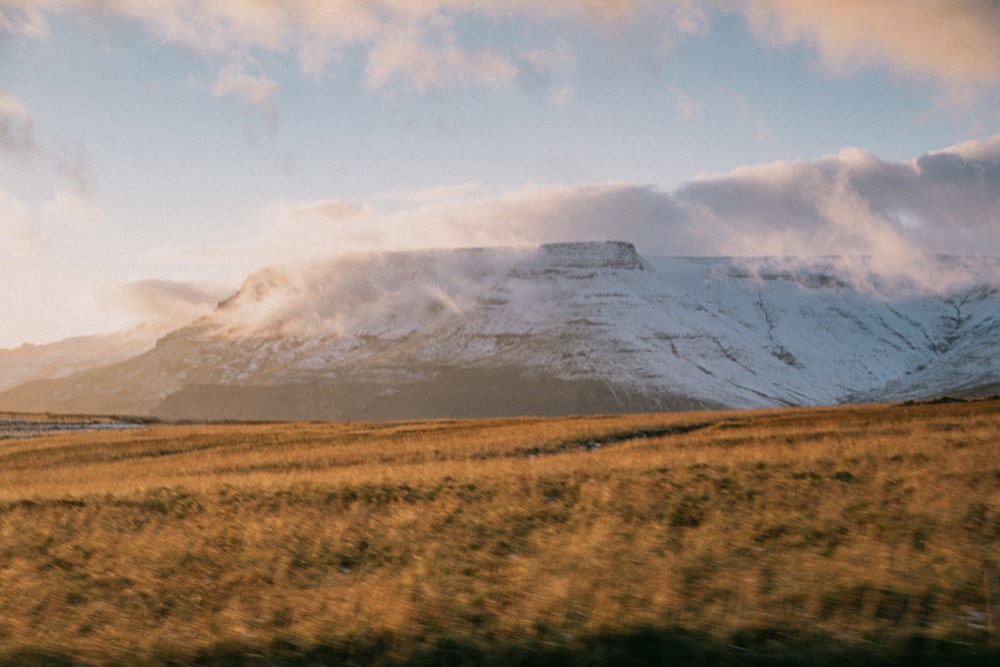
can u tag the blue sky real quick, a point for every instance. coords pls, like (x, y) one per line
(153, 154)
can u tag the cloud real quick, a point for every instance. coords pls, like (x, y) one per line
(383, 294)
(562, 96)
(426, 55)
(17, 133)
(73, 209)
(555, 59)
(451, 218)
(957, 42)
(40, 287)
(441, 194)
(71, 158)
(977, 149)
(687, 106)
(539, 214)
(896, 215)
(24, 19)
(412, 43)
(544, 214)
(35, 292)
(23, 233)
(17, 137)
(852, 211)
(934, 198)
(22, 240)
(883, 216)
(161, 304)
(549, 69)
(254, 90)
(419, 45)
(416, 45)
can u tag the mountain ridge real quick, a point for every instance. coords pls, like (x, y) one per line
(560, 329)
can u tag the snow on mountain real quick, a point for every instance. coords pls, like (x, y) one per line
(564, 328)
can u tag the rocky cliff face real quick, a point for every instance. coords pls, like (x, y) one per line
(565, 328)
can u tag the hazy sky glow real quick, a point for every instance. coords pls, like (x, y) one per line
(152, 154)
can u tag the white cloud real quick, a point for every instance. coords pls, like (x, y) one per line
(451, 218)
(898, 214)
(957, 42)
(161, 304)
(988, 150)
(442, 194)
(33, 288)
(853, 204)
(426, 54)
(21, 239)
(416, 45)
(255, 90)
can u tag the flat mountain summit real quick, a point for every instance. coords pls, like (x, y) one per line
(564, 328)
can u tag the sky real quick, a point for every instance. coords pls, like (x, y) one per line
(155, 153)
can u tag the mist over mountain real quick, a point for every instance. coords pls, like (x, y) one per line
(561, 329)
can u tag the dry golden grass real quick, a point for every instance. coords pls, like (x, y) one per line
(864, 533)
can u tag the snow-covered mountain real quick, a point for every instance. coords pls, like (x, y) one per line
(564, 328)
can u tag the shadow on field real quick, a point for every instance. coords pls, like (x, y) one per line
(641, 647)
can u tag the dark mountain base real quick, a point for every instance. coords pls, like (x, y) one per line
(74, 396)
(453, 394)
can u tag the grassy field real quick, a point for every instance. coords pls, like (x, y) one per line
(816, 536)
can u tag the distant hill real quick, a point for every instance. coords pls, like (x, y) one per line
(561, 329)
(72, 355)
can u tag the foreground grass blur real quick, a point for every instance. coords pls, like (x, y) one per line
(867, 534)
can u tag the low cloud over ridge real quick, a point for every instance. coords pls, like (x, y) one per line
(163, 304)
(854, 203)
(897, 216)
(887, 217)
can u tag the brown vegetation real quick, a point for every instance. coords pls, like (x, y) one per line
(864, 533)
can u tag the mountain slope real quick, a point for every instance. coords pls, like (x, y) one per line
(566, 328)
(72, 355)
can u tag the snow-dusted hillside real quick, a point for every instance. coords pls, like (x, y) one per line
(563, 328)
